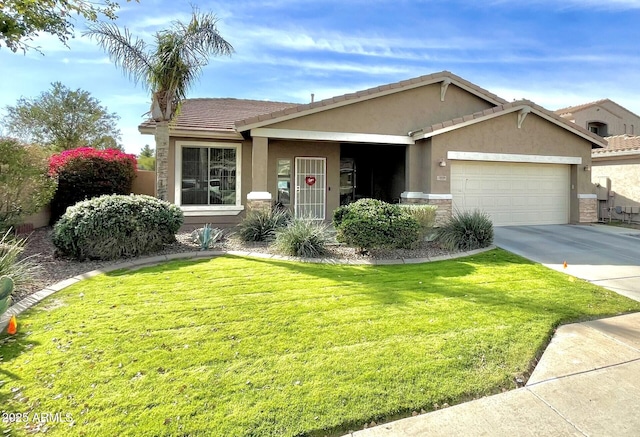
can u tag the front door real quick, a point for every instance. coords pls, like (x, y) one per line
(311, 184)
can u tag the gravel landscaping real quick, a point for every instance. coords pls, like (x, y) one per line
(53, 269)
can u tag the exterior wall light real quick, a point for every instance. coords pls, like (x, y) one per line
(587, 168)
(442, 163)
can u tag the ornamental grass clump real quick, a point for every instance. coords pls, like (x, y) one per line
(303, 237)
(425, 215)
(467, 230)
(116, 226)
(261, 225)
(85, 173)
(19, 269)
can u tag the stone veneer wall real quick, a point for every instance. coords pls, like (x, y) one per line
(443, 213)
(588, 210)
(263, 205)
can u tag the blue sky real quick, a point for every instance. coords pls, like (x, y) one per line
(554, 52)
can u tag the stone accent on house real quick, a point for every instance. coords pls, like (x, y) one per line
(588, 207)
(445, 205)
(162, 159)
(261, 205)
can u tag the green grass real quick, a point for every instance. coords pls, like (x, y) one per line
(250, 347)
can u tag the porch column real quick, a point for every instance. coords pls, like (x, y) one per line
(259, 197)
(413, 174)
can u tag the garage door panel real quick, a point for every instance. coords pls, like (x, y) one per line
(512, 193)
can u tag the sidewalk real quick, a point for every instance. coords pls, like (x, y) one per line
(586, 384)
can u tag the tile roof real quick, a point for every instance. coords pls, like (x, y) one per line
(505, 107)
(219, 114)
(371, 92)
(620, 143)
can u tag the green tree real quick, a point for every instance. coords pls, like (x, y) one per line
(63, 119)
(147, 159)
(25, 186)
(21, 20)
(168, 68)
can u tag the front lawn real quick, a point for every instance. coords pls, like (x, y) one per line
(252, 347)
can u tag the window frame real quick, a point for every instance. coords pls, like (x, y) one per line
(196, 210)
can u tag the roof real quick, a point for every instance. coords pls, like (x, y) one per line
(619, 143)
(572, 109)
(345, 99)
(505, 109)
(219, 114)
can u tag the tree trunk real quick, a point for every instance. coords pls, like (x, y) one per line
(162, 159)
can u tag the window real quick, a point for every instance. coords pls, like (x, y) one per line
(284, 182)
(207, 176)
(597, 128)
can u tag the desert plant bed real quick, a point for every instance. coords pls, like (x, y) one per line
(236, 346)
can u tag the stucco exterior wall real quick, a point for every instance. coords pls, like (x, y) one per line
(394, 114)
(625, 179)
(614, 116)
(501, 135)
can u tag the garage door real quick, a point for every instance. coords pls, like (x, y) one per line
(512, 193)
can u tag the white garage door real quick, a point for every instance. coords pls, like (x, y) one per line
(512, 193)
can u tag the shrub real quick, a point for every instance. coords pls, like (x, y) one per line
(304, 238)
(206, 236)
(466, 231)
(19, 269)
(425, 215)
(261, 225)
(24, 185)
(85, 173)
(369, 224)
(115, 226)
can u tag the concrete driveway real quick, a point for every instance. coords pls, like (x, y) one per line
(605, 255)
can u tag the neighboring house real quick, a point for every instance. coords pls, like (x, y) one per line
(604, 117)
(436, 139)
(616, 168)
(616, 172)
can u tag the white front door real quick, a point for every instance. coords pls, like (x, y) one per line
(311, 185)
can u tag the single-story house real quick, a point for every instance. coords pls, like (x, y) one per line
(436, 139)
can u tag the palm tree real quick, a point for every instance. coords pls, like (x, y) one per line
(168, 68)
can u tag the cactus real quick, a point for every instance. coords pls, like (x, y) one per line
(6, 288)
(206, 236)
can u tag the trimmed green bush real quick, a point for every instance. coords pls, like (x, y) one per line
(466, 231)
(11, 263)
(304, 238)
(116, 226)
(425, 215)
(369, 224)
(85, 173)
(261, 225)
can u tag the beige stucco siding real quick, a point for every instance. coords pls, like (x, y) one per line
(537, 136)
(393, 114)
(625, 179)
(279, 149)
(614, 116)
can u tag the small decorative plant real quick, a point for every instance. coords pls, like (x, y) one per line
(206, 236)
(6, 288)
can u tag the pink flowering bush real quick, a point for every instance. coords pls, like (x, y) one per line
(85, 173)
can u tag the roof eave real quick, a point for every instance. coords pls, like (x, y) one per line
(339, 101)
(195, 133)
(598, 143)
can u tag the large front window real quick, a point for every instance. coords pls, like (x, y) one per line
(209, 176)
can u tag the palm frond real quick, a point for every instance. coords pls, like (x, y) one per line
(128, 54)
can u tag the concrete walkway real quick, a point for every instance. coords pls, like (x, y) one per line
(586, 384)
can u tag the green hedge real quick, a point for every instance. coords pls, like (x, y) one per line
(116, 226)
(369, 224)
